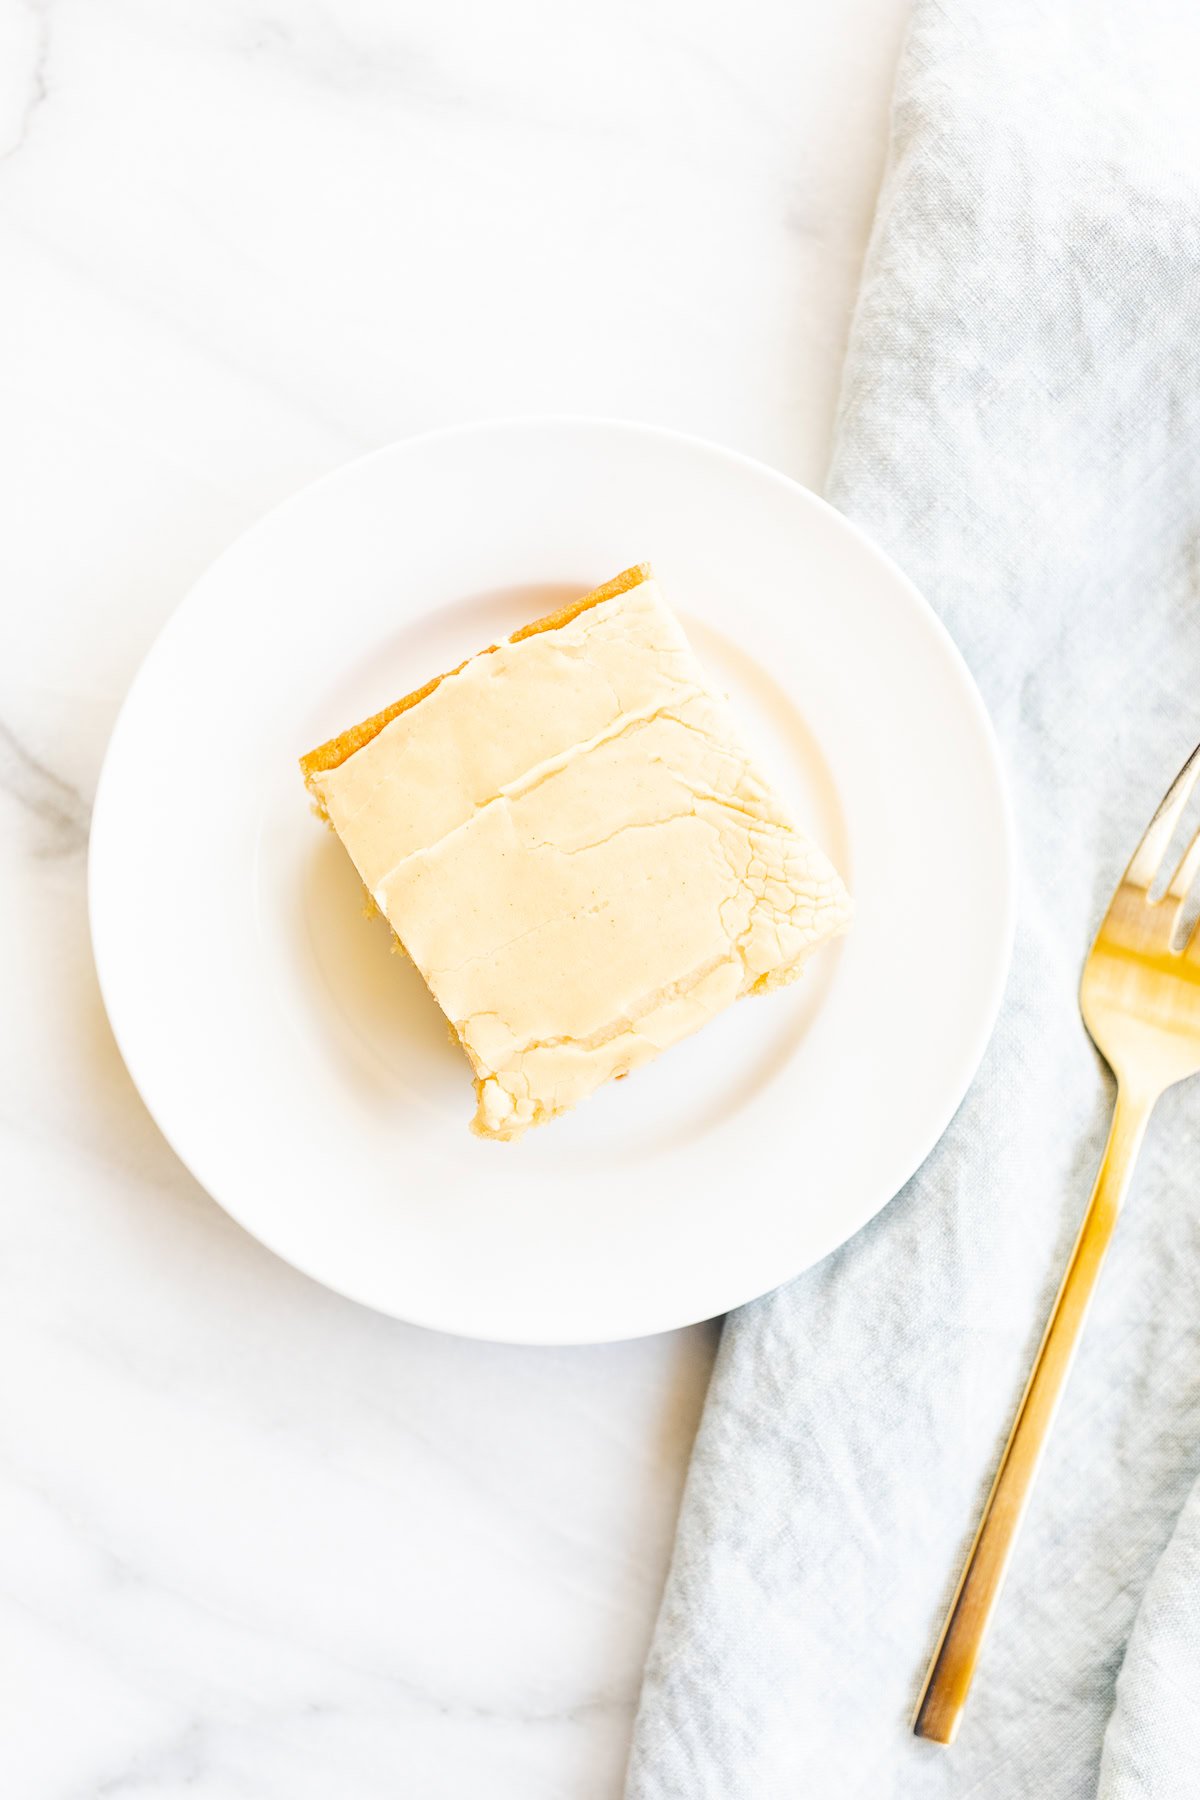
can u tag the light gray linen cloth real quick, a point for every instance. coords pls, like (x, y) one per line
(1020, 428)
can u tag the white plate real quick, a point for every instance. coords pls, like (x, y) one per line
(302, 1071)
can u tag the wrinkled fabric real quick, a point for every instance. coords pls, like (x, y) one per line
(1020, 428)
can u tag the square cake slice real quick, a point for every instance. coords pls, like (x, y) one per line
(570, 841)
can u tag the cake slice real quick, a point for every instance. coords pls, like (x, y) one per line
(570, 841)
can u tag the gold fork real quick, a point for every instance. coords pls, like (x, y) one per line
(1140, 998)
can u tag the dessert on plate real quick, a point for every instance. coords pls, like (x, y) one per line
(568, 838)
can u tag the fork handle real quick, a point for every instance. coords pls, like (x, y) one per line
(949, 1678)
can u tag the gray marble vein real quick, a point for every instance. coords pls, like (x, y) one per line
(60, 810)
(36, 81)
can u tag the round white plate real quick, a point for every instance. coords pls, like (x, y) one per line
(303, 1072)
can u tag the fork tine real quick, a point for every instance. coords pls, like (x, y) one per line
(1147, 858)
(1186, 873)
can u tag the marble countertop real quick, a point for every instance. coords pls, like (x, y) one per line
(259, 1542)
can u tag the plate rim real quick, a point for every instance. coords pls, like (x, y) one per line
(1003, 943)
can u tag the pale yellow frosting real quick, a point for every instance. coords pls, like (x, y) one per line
(579, 855)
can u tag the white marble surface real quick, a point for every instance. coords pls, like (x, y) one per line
(258, 1542)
